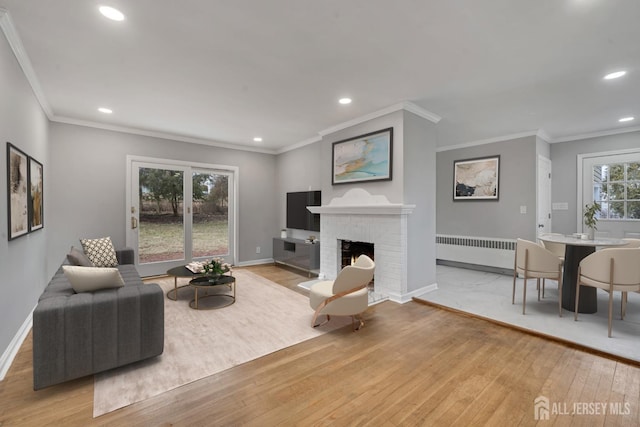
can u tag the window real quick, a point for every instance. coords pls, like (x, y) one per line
(616, 187)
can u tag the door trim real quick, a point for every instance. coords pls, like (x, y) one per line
(235, 170)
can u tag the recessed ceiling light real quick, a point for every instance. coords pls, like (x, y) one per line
(105, 110)
(257, 139)
(626, 119)
(345, 101)
(111, 13)
(615, 75)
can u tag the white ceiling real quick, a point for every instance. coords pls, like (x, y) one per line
(227, 71)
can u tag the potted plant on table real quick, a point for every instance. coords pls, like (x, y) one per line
(215, 268)
(590, 219)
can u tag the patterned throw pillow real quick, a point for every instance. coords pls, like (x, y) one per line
(100, 252)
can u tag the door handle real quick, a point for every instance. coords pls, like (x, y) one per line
(134, 223)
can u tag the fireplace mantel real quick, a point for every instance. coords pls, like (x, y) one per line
(363, 209)
(359, 202)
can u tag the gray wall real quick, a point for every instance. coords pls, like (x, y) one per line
(502, 218)
(393, 189)
(564, 173)
(89, 184)
(23, 261)
(298, 170)
(419, 173)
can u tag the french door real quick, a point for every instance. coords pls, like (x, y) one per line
(179, 212)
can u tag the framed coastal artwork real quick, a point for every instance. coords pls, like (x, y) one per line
(36, 187)
(476, 179)
(363, 158)
(17, 192)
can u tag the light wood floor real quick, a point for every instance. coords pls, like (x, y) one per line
(410, 365)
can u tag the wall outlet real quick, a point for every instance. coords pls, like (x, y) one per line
(257, 249)
(523, 209)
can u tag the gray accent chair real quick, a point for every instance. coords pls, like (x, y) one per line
(79, 334)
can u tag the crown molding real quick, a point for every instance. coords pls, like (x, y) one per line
(487, 141)
(301, 144)
(543, 136)
(408, 106)
(160, 135)
(10, 32)
(608, 132)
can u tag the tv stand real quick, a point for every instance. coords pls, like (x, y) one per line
(296, 253)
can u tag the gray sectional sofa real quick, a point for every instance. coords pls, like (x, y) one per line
(79, 334)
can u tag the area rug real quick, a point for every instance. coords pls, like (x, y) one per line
(265, 318)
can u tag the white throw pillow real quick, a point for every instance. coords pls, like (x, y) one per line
(89, 279)
(100, 252)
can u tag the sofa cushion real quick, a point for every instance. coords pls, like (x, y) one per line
(100, 252)
(77, 257)
(89, 279)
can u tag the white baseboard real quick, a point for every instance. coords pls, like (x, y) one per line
(405, 298)
(255, 262)
(10, 353)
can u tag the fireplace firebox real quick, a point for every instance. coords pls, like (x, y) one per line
(350, 251)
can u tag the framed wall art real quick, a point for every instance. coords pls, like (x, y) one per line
(476, 179)
(36, 201)
(17, 192)
(363, 158)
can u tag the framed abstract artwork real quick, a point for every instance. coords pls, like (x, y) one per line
(363, 158)
(36, 189)
(17, 192)
(476, 179)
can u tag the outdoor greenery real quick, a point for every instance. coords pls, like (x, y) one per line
(590, 212)
(617, 189)
(160, 241)
(161, 214)
(163, 185)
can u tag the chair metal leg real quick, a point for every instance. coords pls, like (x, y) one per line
(513, 293)
(575, 316)
(610, 311)
(524, 293)
(353, 322)
(623, 305)
(313, 322)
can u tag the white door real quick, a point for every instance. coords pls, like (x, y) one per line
(179, 213)
(544, 196)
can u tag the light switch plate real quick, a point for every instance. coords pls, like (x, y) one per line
(523, 209)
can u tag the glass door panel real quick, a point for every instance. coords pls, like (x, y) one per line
(161, 234)
(210, 230)
(179, 213)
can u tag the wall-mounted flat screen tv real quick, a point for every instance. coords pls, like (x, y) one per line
(298, 216)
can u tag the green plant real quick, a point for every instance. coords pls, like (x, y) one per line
(215, 267)
(590, 211)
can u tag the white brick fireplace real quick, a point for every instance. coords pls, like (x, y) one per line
(362, 217)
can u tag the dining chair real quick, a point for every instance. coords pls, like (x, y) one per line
(345, 296)
(632, 243)
(613, 269)
(535, 262)
(558, 249)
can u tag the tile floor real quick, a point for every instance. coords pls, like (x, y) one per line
(489, 295)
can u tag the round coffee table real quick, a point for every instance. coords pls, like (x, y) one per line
(176, 272)
(207, 283)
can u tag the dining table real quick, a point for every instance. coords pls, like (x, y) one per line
(576, 249)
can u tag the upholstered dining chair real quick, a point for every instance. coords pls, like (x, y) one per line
(533, 261)
(558, 249)
(613, 269)
(345, 296)
(632, 243)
